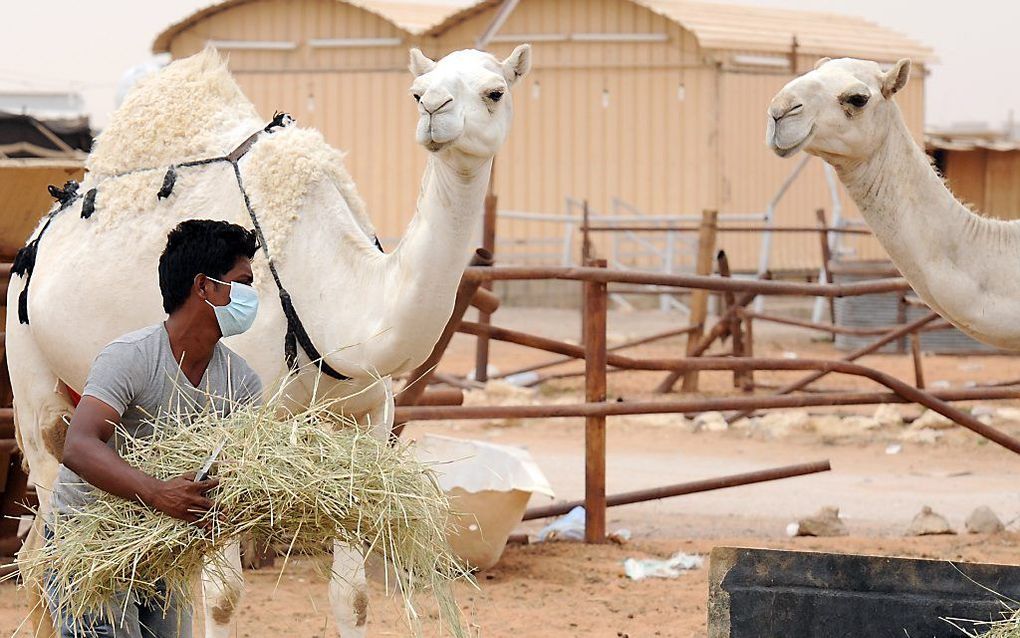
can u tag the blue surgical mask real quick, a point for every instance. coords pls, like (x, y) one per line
(238, 315)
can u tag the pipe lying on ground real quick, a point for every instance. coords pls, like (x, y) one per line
(705, 485)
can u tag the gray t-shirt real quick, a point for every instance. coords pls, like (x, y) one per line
(138, 376)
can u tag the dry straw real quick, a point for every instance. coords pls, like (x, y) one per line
(298, 479)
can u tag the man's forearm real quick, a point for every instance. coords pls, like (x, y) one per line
(102, 467)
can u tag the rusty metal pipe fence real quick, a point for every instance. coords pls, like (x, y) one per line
(735, 320)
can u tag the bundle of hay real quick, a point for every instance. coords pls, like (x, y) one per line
(296, 479)
(1007, 627)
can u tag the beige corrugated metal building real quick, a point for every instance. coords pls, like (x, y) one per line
(981, 169)
(657, 103)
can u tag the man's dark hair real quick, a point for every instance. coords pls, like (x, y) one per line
(200, 246)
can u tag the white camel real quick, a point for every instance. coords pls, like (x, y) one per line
(957, 261)
(373, 315)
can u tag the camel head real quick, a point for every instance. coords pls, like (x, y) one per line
(463, 100)
(842, 110)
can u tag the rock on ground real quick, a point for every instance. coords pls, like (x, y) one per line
(929, 523)
(984, 521)
(824, 523)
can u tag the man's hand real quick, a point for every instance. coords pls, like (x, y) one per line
(182, 497)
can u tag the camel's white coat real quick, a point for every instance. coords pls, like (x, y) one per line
(372, 315)
(957, 261)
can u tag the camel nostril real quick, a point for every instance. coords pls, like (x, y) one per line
(438, 108)
(796, 108)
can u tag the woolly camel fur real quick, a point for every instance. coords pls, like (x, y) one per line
(372, 315)
(957, 261)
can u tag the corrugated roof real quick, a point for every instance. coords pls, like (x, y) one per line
(725, 26)
(414, 16)
(716, 26)
(969, 143)
(761, 29)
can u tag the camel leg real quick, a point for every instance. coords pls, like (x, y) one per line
(222, 586)
(348, 590)
(40, 409)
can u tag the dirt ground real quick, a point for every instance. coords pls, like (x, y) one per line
(883, 474)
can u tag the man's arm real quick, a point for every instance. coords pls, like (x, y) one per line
(87, 455)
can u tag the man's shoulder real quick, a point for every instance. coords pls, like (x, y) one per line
(148, 335)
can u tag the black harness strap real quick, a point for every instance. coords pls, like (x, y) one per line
(296, 333)
(24, 263)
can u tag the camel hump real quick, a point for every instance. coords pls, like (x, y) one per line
(190, 110)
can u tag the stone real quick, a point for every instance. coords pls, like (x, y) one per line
(888, 416)
(825, 523)
(929, 523)
(711, 421)
(861, 423)
(932, 421)
(920, 435)
(984, 521)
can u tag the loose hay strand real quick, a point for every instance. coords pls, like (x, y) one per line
(294, 478)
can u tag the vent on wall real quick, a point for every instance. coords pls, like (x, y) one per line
(582, 37)
(253, 45)
(353, 43)
(762, 61)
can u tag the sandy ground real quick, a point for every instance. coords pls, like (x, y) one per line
(568, 589)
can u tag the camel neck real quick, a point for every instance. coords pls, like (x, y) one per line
(953, 258)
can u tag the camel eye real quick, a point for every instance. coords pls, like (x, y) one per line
(495, 96)
(858, 100)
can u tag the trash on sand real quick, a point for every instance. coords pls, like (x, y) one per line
(894, 448)
(569, 527)
(620, 536)
(790, 355)
(638, 569)
(523, 379)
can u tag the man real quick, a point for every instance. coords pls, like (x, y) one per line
(205, 278)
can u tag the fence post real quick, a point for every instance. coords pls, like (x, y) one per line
(489, 244)
(915, 350)
(594, 322)
(823, 235)
(741, 378)
(699, 298)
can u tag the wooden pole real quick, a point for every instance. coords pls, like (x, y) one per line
(915, 350)
(748, 349)
(699, 298)
(594, 321)
(489, 244)
(741, 379)
(823, 234)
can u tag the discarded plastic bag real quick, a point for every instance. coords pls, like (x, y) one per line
(655, 568)
(569, 527)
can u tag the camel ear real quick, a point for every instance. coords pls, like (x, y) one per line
(820, 62)
(896, 78)
(517, 64)
(420, 63)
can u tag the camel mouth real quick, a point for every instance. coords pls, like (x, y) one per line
(434, 147)
(791, 150)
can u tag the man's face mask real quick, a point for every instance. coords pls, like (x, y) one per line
(239, 314)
